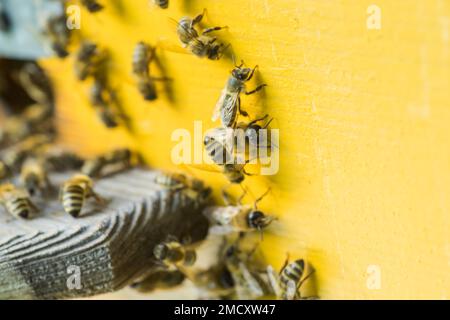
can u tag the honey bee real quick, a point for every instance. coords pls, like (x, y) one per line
(287, 283)
(58, 159)
(58, 35)
(87, 60)
(36, 84)
(173, 255)
(34, 177)
(143, 55)
(92, 5)
(105, 103)
(163, 4)
(75, 191)
(252, 131)
(95, 167)
(201, 45)
(238, 218)
(160, 279)
(229, 104)
(16, 201)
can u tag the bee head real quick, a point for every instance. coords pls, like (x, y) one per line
(241, 73)
(214, 52)
(258, 220)
(161, 251)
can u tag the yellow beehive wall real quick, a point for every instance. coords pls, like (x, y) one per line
(362, 191)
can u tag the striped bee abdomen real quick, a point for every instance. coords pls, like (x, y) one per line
(292, 272)
(73, 199)
(19, 207)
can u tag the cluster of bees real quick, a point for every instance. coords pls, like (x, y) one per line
(237, 273)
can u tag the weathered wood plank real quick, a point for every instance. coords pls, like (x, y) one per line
(111, 245)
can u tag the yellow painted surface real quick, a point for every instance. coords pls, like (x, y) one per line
(364, 119)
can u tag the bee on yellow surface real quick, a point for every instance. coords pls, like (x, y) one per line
(174, 255)
(34, 177)
(143, 56)
(287, 283)
(160, 279)
(92, 5)
(16, 201)
(163, 4)
(58, 35)
(237, 218)
(75, 192)
(120, 158)
(87, 61)
(202, 45)
(36, 84)
(229, 104)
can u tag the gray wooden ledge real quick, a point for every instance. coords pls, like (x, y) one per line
(112, 245)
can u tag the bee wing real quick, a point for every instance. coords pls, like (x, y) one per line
(248, 287)
(226, 101)
(291, 290)
(273, 280)
(221, 216)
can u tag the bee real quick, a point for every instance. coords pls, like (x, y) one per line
(193, 188)
(238, 218)
(92, 5)
(201, 45)
(105, 103)
(143, 55)
(163, 4)
(252, 132)
(95, 167)
(58, 35)
(229, 104)
(87, 60)
(248, 284)
(287, 283)
(216, 281)
(16, 201)
(160, 279)
(174, 255)
(75, 191)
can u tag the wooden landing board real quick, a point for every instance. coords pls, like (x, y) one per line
(111, 245)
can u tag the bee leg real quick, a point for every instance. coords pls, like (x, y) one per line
(198, 18)
(302, 281)
(242, 112)
(91, 193)
(285, 263)
(208, 30)
(256, 89)
(226, 198)
(256, 120)
(261, 197)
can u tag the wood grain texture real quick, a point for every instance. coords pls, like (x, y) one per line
(111, 245)
(364, 124)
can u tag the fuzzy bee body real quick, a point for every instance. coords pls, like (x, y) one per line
(163, 4)
(85, 63)
(142, 56)
(16, 201)
(95, 167)
(57, 159)
(92, 5)
(200, 45)
(74, 193)
(174, 255)
(58, 35)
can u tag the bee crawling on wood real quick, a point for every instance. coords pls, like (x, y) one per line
(75, 192)
(287, 283)
(202, 45)
(16, 201)
(229, 104)
(34, 177)
(143, 56)
(160, 279)
(174, 255)
(92, 5)
(237, 218)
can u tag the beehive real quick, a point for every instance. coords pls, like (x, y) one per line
(360, 95)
